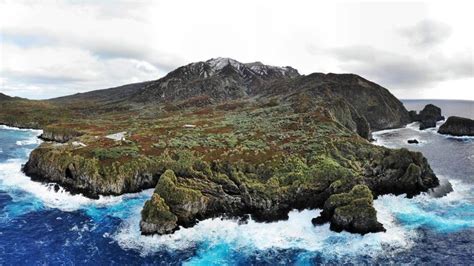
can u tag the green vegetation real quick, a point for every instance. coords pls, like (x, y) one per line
(115, 152)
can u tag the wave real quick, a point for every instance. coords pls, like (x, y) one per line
(295, 233)
(12, 180)
(217, 239)
(34, 141)
(5, 127)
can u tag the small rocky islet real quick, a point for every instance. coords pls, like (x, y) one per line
(224, 138)
(454, 125)
(427, 117)
(457, 126)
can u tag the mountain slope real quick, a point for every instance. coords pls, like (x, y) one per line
(110, 95)
(4, 97)
(357, 103)
(218, 79)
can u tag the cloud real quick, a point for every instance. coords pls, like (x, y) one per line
(53, 48)
(427, 33)
(39, 71)
(404, 71)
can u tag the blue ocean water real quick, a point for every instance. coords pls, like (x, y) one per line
(41, 226)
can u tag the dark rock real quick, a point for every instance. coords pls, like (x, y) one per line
(61, 135)
(442, 190)
(401, 171)
(412, 141)
(457, 126)
(427, 117)
(198, 193)
(87, 175)
(352, 211)
(413, 116)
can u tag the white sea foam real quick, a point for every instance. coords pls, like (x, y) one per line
(296, 233)
(11, 177)
(31, 141)
(36, 131)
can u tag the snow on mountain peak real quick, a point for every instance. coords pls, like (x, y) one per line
(258, 68)
(221, 62)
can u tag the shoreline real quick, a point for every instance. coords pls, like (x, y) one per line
(10, 127)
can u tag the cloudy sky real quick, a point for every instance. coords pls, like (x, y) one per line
(415, 49)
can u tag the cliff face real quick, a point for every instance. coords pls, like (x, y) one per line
(90, 176)
(225, 138)
(58, 134)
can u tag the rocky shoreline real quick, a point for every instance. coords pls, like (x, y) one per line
(175, 203)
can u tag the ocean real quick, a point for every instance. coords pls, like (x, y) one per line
(41, 226)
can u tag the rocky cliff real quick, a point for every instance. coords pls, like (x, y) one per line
(59, 134)
(201, 190)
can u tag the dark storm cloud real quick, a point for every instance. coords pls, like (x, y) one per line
(427, 33)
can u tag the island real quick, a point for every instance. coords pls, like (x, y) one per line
(221, 138)
(427, 117)
(457, 126)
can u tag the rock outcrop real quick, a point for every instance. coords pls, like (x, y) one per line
(58, 134)
(427, 117)
(457, 126)
(51, 162)
(203, 191)
(352, 211)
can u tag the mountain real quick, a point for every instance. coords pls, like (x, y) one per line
(218, 79)
(224, 138)
(4, 97)
(357, 103)
(111, 95)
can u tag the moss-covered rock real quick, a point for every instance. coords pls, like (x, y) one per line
(88, 175)
(157, 217)
(400, 171)
(184, 202)
(352, 211)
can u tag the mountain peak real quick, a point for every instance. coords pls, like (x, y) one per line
(255, 68)
(220, 62)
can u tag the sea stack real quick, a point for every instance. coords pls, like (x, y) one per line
(427, 117)
(457, 126)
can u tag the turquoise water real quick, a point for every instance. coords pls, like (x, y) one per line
(39, 225)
